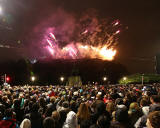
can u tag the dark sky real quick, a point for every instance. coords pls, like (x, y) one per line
(137, 46)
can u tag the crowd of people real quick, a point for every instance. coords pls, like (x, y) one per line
(89, 106)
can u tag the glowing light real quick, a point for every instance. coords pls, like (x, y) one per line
(33, 78)
(50, 44)
(7, 79)
(118, 31)
(72, 52)
(116, 23)
(33, 61)
(84, 47)
(107, 54)
(104, 78)
(124, 78)
(50, 50)
(85, 32)
(53, 36)
(62, 78)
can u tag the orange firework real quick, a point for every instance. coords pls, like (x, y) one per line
(101, 52)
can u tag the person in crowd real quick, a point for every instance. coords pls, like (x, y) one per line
(27, 108)
(26, 123)
(71, 120)
(85, 124)
(119, 103)
(6, 102)
(42, 105)
(99, 109)
(155, 101)
(153, 120)
(102, 122)
(63, 116)
(52, 103)
(49, 123)
(2, 110)
(144, 103)
(134, 112)
(17, 109)
(50, 107)
(56, 117)
(74, 106)
(121, 119)
(8, 121)
(83, 113)
(35, 117)
(110, 107)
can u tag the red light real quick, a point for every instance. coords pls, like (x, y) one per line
(7, 79)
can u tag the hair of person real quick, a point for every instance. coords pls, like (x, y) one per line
(155, 98)
(110, 107)
(103, 121)
(49, 122)
(52, 99)
(35, 107)
(83, 112)
(144, 102)
(154, 118)
(85, 124)
(8, 112)
(121, 115)
(134, 107)
(55, 115)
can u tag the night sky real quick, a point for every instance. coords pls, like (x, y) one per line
(20, 20)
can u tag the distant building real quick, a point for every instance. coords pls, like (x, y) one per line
(74, 81)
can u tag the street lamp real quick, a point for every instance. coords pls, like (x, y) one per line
(62, 79)
(33, 78)
(104, 78)
(124, 79)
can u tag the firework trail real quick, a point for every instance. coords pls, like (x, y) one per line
(50, 44)
(53, 36)
(85, 32)
(116, 23)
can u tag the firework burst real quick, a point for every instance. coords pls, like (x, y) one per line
(79, 50)
(87, 37)
(96, 42)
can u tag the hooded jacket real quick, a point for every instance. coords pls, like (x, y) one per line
(71, 120)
